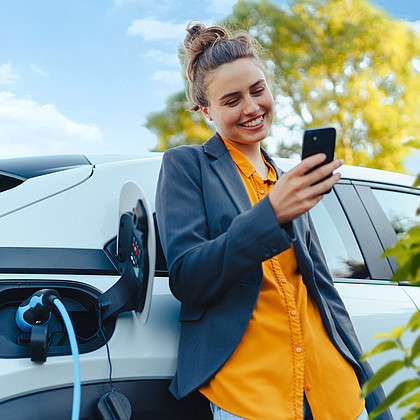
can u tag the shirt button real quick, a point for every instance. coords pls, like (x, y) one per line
(283, 280)
(262, 191)
(298, 350)
(293, 313)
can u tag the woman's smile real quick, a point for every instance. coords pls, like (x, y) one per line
(254, 123)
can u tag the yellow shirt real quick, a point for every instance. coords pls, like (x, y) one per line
(285, 350)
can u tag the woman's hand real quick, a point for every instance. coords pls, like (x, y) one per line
(297, 191)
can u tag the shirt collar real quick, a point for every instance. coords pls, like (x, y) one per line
(244, 164)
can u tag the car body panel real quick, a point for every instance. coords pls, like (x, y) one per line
(85, 224)
(78, 208)
(40, 188)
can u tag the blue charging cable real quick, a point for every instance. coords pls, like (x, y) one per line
(75, 352)
(36, 310)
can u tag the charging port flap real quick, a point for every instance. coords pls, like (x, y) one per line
(135, 255)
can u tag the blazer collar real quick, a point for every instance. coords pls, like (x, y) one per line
(215, 148)
(226, 170)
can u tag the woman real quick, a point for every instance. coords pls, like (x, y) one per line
(264, 333)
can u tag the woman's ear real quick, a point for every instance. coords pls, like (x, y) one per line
(206, 112)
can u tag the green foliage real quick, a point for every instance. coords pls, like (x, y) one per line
(342, 63)
(176, 125)
(333, 62)
(407, 252)
(403, 392)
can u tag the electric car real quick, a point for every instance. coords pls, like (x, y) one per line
(81, 229)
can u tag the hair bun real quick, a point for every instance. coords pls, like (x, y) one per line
(199, 37)
(208, 48)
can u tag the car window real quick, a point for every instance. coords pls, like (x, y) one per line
(337, 240)
(400, 208)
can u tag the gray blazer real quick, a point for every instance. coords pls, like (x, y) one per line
(214, 242)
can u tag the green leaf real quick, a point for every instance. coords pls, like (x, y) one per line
(412, 399)
(414, 323)
(383, 335)
(381, 375)
(412, 414)
(400, 391)
(379, 348)
(397, 332)
(412, 143)
(415, 349)
(401, 274)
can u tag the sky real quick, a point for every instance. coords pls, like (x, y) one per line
(81, 76)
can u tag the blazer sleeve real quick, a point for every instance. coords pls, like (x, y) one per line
(200, 268)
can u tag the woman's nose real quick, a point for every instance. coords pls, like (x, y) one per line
(250, 106)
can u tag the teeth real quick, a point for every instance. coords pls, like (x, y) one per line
(253, 123)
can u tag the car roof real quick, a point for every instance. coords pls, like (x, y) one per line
(20, 169)
(358, 173)
(29, 167)
(14, 171)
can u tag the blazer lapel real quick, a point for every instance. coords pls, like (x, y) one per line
(226, 170)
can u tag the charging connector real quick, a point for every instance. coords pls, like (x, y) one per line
(32, 316)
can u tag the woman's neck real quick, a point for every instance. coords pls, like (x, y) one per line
(253, 153)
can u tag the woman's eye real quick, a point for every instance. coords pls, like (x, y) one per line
(232, 102)
(258, 91)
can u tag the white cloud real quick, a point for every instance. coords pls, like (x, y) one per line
(168, 77)
(39, 71)
(155, 30)
(123, 2)
(28, 128)
(8, 76)
(221, 7)
(159, 56)
(415, 25)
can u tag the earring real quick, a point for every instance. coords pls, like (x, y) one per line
(206, 113)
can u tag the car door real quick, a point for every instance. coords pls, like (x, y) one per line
(393, 210)
(352, 239)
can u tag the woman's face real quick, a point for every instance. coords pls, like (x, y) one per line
(240, 103)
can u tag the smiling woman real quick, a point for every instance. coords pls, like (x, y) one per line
(264, 333)
(244, 113)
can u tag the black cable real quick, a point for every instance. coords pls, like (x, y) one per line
(99, 313)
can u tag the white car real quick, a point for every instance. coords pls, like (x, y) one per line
(59, 221)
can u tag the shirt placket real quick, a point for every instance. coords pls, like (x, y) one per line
(295, 325)
(297, 347)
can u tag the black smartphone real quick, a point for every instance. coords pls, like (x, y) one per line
(319, 140)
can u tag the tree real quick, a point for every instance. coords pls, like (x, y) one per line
(347, 64)
(334, 62)
(176, 125)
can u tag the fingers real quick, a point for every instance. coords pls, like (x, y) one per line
(298, 191)
(322, 187)
(307, 168)
(323, 171)
(309, 163)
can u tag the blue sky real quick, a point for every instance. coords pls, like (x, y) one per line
(80, 76)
